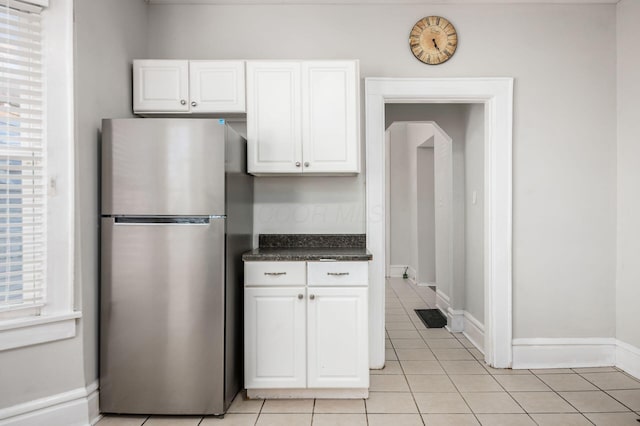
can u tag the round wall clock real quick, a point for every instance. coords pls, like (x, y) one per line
(433, 40)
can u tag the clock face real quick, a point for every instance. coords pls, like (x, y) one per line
(433, 40)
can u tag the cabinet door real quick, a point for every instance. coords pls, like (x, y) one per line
(330, 117)
(274, 338)
(337, 337)
(273, 117)
(217, 86)
(160, 86)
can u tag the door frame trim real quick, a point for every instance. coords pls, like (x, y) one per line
(497, 96)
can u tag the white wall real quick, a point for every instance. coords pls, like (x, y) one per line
(426, 216)
(474, 212)
(401, 228)
(628, 268)
(109, 35)
(564, 115)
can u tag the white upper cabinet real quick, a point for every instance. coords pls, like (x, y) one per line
(160, 86)
(273, 117)
(302, 117)
(330, 117)
(176, 86)
(217, 86)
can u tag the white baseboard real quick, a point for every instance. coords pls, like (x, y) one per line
(78, 407)
(442, 302)
(628, 358)
(455, 320)
(563, 352)
(427, 284)
(396, 271)
(474, 331)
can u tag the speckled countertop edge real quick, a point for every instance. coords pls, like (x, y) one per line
(309, 247)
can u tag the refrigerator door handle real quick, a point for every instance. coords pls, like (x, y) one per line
(141, 220)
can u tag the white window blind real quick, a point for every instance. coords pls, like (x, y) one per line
(22, 155)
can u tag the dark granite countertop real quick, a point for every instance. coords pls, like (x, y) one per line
(309, 247)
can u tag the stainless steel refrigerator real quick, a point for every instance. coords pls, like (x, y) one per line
(176, 216)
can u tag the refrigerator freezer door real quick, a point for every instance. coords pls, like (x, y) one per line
(162, 317)
(163, 167)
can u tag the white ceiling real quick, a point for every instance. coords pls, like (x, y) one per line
(364, 2)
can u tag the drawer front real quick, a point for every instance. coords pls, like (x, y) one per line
(338, 273)
(275, 273)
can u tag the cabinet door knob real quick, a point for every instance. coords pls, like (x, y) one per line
(183, 102)
(194, 103)
(306, 164)
(313, 296)
(300, 296)
(297, 164)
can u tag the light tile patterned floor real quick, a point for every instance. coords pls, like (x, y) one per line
(433, 377)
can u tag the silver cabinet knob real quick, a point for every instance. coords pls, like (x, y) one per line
(306, 164)
(300, 296)
(194, 103)
(297, 164)
(313, 296)
(183, 102)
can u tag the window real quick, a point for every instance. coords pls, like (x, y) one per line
(36, 172)
(22, 161)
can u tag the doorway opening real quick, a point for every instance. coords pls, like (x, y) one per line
(496, 96)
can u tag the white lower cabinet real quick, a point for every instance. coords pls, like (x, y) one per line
(306, 336)
(274, 337)
(337, 337)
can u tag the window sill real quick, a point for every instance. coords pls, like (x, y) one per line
(35, 330)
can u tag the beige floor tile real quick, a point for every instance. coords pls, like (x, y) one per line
(545, 371)
(390, 402)
(450, 420)
(630, 397)
(403, 334)
(444, 344)
(436, 333)
(476, 354)
(441, 403)
(173, 421)
(430, 383)
(595, 369)
(388, 383)
(593, 402)
(476, 383)
(231, 420)
(506, 371)
(396, 317)
(521, 383)
(390, 367)
(613, 419)
(505, 420)
(387, 344)
(453, 354)
(542, 402)
(394, 420)
(567, 382)
(390, 354)
(492, 403)
(463, 367)
(421, 367)
(282, 406)
(466, 342)
(399, 325)
(612, 381)
(395, 311)
(284, 420)
(409, 344)
(241, 404)
(339, 406)
(415, 355)
(115, 420)
(339, 420)
(561, 420)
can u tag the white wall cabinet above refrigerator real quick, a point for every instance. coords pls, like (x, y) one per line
(183, 87)
(303, 117)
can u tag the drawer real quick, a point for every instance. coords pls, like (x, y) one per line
(338, 273)
(274, 273)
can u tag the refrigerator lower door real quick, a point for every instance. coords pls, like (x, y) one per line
(162, 316)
